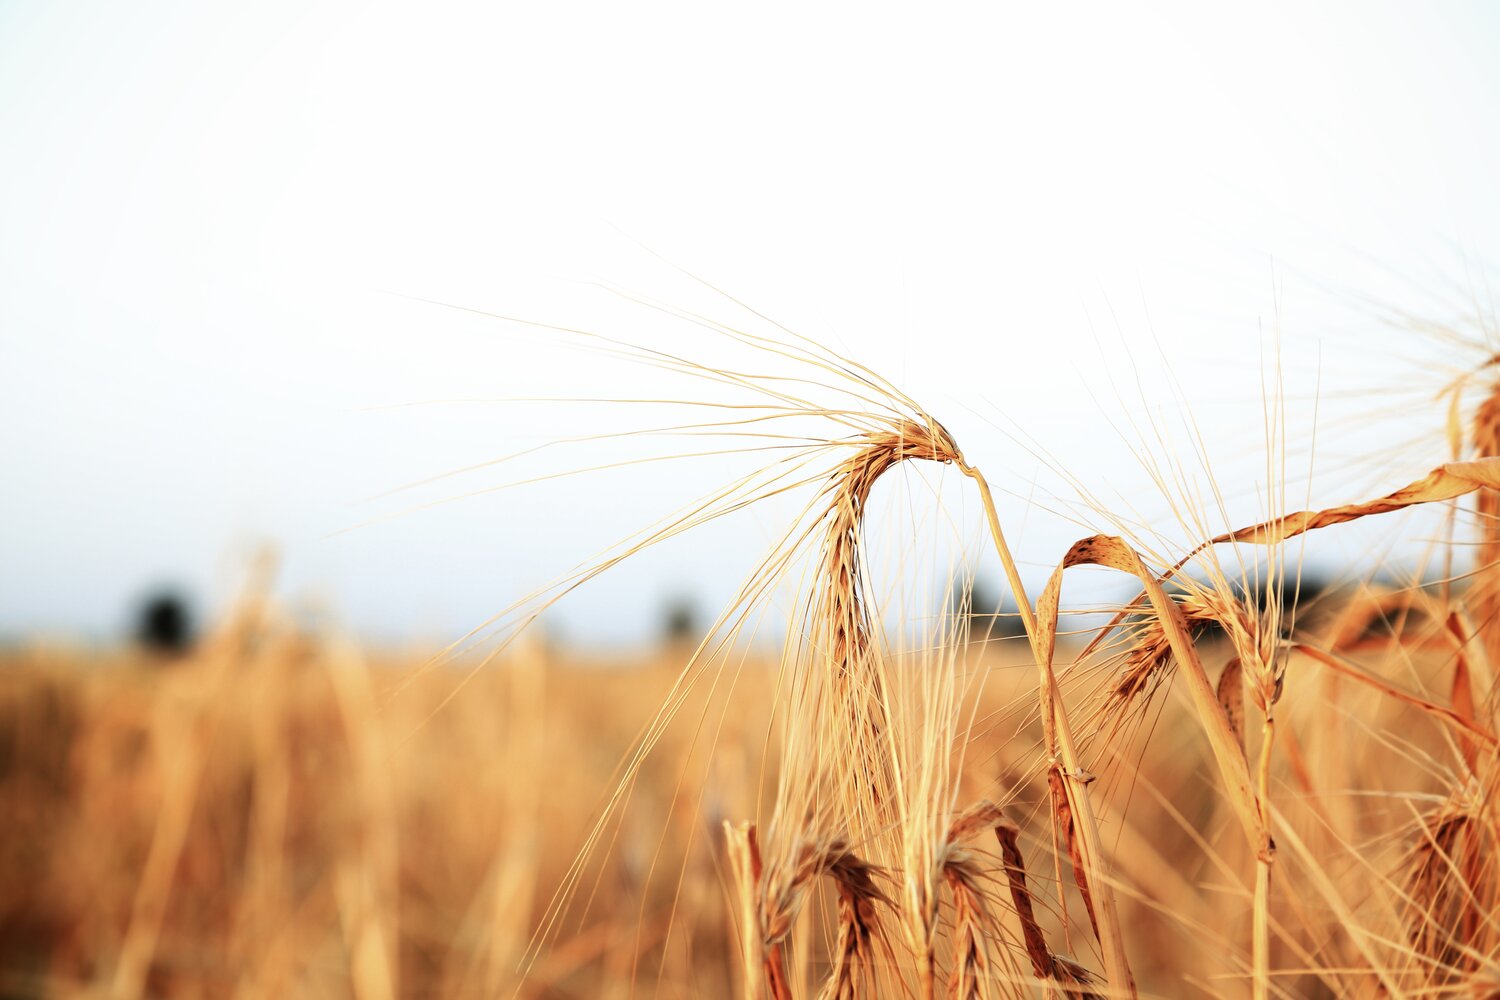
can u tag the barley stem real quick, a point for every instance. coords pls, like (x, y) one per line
(1075, 778)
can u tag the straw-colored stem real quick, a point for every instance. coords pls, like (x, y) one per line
(745, 863)
(1012, 574)
(928, 978)
(1260, 934)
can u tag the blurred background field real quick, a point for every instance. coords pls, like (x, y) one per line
(275, 813)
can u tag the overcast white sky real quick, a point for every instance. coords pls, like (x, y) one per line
(216, 222)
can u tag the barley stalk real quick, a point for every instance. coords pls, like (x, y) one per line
(1042, 637)
(842, 616)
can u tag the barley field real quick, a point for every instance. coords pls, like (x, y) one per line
(1229, 783)
(777, 501)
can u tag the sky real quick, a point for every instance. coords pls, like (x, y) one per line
(233, 237)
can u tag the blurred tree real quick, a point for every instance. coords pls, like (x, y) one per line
(982, 613)
(164, 623)
(680, 620)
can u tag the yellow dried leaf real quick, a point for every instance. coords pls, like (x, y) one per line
(1231, 693)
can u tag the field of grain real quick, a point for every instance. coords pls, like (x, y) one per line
(1226, 788)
